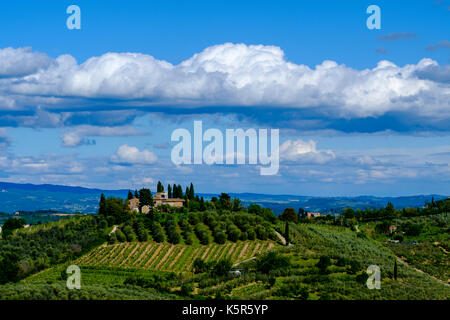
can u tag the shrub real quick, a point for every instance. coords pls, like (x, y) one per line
(323, 264)
(272, 261)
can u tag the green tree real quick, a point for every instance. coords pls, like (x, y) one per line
(225, 201)
(219, 236)
(301, 213)
(222, 268)
(200, 266)
(323, 264)
(9, 267)
(145, 198)
(289, 214)
(130, 195)
(129, 233)
(121, 237)
(236, 205)
(141, 231)
(395, 269)
(286, 233)
(186, 194)
(102, 205)
(390, 211)
(157, 232)
(169, 191)
(191, 192)
(159, 187)
(175, 191)
(186, 289)
(348, 213)
(272, 261)
(12, 224)
(115, 208)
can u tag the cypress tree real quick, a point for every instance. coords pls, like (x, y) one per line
(286, 233)
(130, 195)
(169, 191)
(136, 194)
(191, 192)
(395, 270)
(187, 193)
(160, 187)
(174, 191)
(102, 205)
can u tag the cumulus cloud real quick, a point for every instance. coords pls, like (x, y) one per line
(304, 152)
(232, 75)
(77, 136)
(22, 62)
(126, 154)
(435, 73)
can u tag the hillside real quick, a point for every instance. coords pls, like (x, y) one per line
(302, 278)
(227, 251)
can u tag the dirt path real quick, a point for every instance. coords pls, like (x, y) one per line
(282, 239)
(114, 229)
(236, 264)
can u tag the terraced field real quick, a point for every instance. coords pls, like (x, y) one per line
(169, 257)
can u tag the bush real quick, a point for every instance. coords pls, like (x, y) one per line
(219, 236)
(272, 261)
(129, 233)
(251, 234)
(172, 235)
(323, 264)
(289, 214)
(121, 237)
(186, 289)
(222, 268)
(233, 233)
(157, 232)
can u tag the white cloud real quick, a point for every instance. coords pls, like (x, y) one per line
(21, 62)
(305, 152)
(126, 154)
(77, 136)
(232, 75)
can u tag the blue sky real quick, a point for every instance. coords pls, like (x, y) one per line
(359, 111)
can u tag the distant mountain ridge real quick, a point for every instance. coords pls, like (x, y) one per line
(30, 197)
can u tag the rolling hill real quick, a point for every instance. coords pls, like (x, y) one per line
(30, 197)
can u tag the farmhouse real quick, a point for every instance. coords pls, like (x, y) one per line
(160, 198)
(313, 214)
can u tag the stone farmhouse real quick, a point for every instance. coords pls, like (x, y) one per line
(312, 214)
(159, 198)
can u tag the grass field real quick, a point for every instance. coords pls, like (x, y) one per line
(169, 257)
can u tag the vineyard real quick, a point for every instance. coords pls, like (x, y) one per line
(169, 257)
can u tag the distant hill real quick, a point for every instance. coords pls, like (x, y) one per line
(30, 197)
